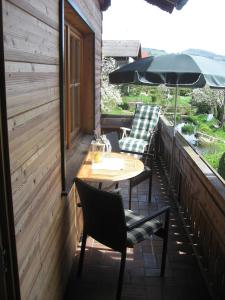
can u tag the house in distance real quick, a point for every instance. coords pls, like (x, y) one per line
(123, 51)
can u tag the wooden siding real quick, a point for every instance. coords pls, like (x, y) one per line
(47, 225)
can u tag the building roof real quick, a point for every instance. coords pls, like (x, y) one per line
(104, 4)
(168, 5)
(144, 54)
(121, 48)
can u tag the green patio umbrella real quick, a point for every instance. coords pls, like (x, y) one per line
(172, 70)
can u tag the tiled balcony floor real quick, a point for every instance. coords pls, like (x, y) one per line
(182, 280)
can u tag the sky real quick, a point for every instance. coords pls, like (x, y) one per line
(200, 25)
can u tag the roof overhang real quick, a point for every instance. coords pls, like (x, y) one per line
(168, 5)
(104, 4)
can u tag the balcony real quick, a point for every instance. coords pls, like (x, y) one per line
(196, 247)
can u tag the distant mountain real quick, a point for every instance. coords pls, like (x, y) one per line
(197, 52)
(204, 53)
(154, 52)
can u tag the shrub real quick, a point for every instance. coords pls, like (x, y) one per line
(184, 92)
(124, 105)
(178, 118)
(221, 167)
(203, 108)
(188, 129)
(187, 111)
(154, 98)
(191, 119)
(204, 128)
(124, 89)
(213, 160)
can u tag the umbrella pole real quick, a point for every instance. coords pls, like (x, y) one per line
(173, 137)
(175, 110)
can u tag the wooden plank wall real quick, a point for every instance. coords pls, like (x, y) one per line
(201, 197)
(44, 221)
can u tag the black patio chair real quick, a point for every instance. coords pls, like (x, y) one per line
(146, 174)
(106, 221)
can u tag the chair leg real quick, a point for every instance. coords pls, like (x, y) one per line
(130, 192)
(82, 252)
(120, 280)
(165, 240)
(150, 188)
(150, 181)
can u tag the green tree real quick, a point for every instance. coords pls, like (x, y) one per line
(221, 107)
(110, 94)
(207, 100)
(164, 94)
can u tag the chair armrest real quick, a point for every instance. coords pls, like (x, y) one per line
(116, 191)
(138, 153)
(165, 209)
(125, 130)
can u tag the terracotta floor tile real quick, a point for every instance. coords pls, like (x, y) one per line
(182, 280)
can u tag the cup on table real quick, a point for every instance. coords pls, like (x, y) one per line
(97, 151)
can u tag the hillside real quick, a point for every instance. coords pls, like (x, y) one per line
(198, 52)
(204, 53)
(154, 52)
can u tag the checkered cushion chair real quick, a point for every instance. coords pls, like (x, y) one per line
(142, 232)
(145, 119)
(106, 221)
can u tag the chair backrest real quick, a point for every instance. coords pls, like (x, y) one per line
(114, 141)
(103, 213)
(145, 120)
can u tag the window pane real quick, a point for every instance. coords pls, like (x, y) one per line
(74, 60)
(74, 108)
(77, 107)
(65, 79)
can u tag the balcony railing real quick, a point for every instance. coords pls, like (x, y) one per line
(200, 196)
